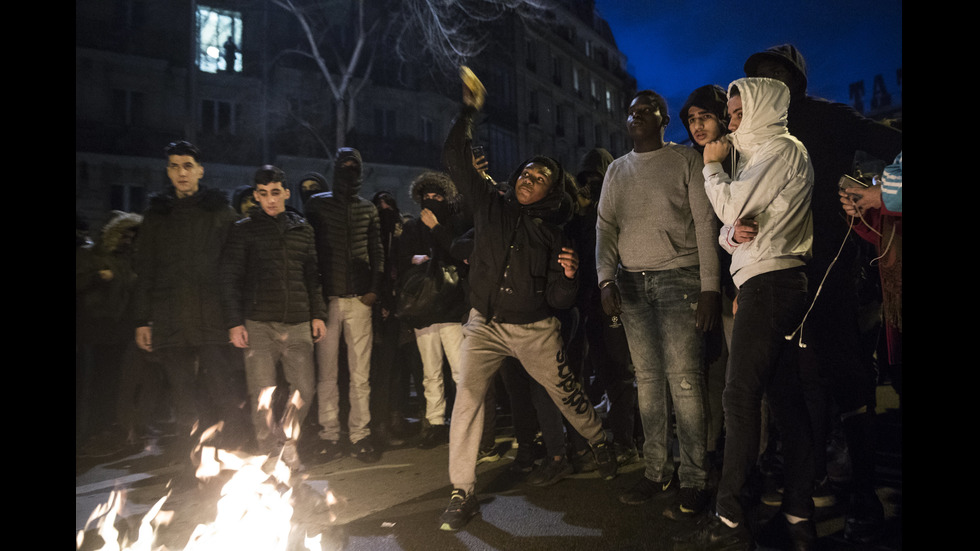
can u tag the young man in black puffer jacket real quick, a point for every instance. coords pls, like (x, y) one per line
(273, 304)
(351, 257)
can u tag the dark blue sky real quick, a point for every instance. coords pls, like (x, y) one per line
(674, 46)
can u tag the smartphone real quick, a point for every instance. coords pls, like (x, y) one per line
(847, 182)
(479, 151)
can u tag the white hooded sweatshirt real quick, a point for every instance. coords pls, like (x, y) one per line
(773, 184)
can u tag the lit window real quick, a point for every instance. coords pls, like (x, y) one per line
(219, 39)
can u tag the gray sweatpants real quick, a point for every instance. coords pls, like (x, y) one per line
(539, 348)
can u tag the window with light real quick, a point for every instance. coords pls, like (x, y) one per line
(219, 35)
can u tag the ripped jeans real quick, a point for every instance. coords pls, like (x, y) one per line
(667, 348)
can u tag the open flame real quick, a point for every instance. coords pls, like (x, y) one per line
(254, 512)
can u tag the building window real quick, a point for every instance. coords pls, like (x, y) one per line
(556, 70)
(530, 55)
(384, 123)
(609, 103)
(219, 117)
(428, 131)
(127, 107)
(559, 120)
(580, 128)
(598, 135)
(532, 108)
(576, 85)
(219, 36)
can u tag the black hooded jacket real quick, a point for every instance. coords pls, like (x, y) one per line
(582, 227)
(348, 235)
(514, 272)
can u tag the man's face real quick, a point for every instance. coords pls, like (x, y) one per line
(704, 126)
(735, 110)
(434, 197)
(311, 185)
(773, 69)
(247, 202)
(533, 184)
(185, 174)
(644, 119)
(272, 198)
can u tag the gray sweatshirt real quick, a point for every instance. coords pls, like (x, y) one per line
(654, 215)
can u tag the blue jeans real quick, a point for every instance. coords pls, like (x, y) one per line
(668, 350)
(763, 361)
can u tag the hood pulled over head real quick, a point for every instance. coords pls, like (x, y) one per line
(347, 172)
(305, 192)
(556, 206)
(765, 103)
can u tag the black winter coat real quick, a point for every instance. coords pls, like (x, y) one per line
(178, 253)
(269, 271)
(514, 273)
(348, 243)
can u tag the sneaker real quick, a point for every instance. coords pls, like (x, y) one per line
(460, 510)
(625, 454)
(802, 535)
(523, 461)
(823, 495)
(550, 472)
(690, 503)
(863, 518)
(433, 436)
(364, 451)
(330, 450)
(488, 455)
(605, 459)
(645, 490)
(714, 534)
(583, 462)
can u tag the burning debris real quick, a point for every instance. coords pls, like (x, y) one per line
(255, 509)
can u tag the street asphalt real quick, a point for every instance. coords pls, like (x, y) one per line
(395, 504)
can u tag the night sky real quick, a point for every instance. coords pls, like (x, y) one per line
(675, 46)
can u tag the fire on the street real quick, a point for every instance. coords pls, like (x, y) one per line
(254, 511)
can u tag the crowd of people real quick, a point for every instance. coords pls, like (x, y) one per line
(706, 294)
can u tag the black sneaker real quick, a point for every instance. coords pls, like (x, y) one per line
(605, 460)
(364, 451)
(460, 510)
(713, 534)
(550, 472)
(488, 455)
(690, 503)
(864, 518)
(802, 535)
(625, 454)
(583, 461)
(523, 462)
(645, 490)
(329, 450)
(433, 436)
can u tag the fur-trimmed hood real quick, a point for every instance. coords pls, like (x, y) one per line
(434, 182)
(116, 228)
